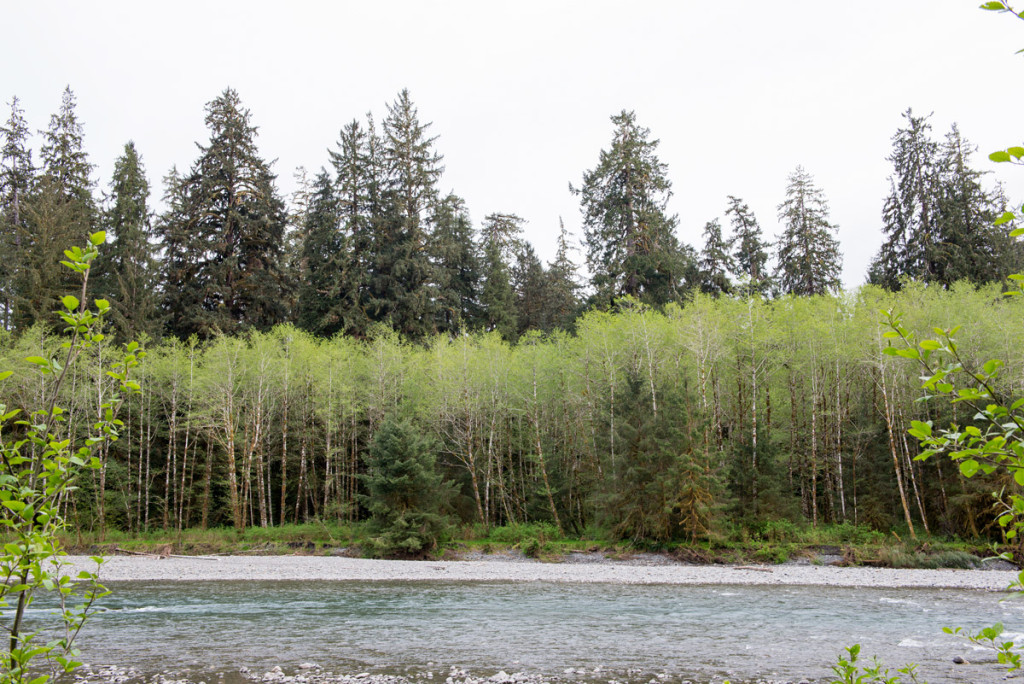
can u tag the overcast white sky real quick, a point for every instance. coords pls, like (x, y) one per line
(739, 93)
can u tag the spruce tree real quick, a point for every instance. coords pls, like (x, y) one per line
(16, 174)
(563, 298)
(324, 288)
(405, 493)
(968, 246)
(715, 261)
(632, 249)
(400, 290)
(456, 260)
(357, 170)
(128, 276)
(530, 286)
(234, 223)
(750, 250)
(60, 211)
(808, 252)
(909, 212)
(500, 237)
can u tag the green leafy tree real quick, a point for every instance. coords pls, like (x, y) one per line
(405, 493)
(225, 233)
(39, 468)
(129, 277)
(750, 251)
(632, 249)
(809, 258)
(715, 261)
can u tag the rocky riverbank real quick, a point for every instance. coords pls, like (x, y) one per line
(657, 570)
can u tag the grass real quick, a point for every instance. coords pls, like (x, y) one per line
(767, 542)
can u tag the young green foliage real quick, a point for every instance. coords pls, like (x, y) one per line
(38, 466)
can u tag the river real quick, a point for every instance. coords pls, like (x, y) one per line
(624, 632)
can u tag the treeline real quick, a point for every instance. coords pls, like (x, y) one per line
(652, 426)
(373, 240)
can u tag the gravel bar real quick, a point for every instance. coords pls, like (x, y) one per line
(311, 568)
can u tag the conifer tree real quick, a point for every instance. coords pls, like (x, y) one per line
(909, 212)
(809, 258)
(16, 173)
(456, 259)
(563, 300)
(631, 244)
(234, 223)
(405, 493)
(400, 290)
(968, 245)
(128, 278)
(60, 211)
(500, 237)
(530, 287)
(324, 289)
(715, 261)
(750, 250)
(357, 165)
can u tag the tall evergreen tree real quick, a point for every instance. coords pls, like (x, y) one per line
(715, 261)
(909, 212)
(750, 250)
(530, 287)
(234, 223)
(358, 174)
(563, 302)
(64, 159)
(60, 211)
(128, 275)
(967, 246)
(809, 258)
(631, 244)
(456, 258)
(500, 237)
(324, 290)
(16, 173)
(401, 290)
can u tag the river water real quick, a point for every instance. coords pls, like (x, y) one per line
(625, 632)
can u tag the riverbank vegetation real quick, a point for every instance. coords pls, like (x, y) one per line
(644, 426)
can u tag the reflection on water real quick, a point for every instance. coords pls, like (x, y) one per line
(696, 631)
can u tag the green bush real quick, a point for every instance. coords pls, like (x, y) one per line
(518, 533)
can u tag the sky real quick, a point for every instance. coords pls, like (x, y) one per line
(520, 94)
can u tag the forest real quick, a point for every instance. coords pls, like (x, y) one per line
(363, 347)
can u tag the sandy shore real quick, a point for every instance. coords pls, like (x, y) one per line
(130, 568)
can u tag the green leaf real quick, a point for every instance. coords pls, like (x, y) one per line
(5, 374)
(930, 345)
(1017, 152)
(1017, 232)
(969, 467)
(1000, 156)
(70, 302)
(99, 238)
(38, 360)
(993, 6)
(1005, 218)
